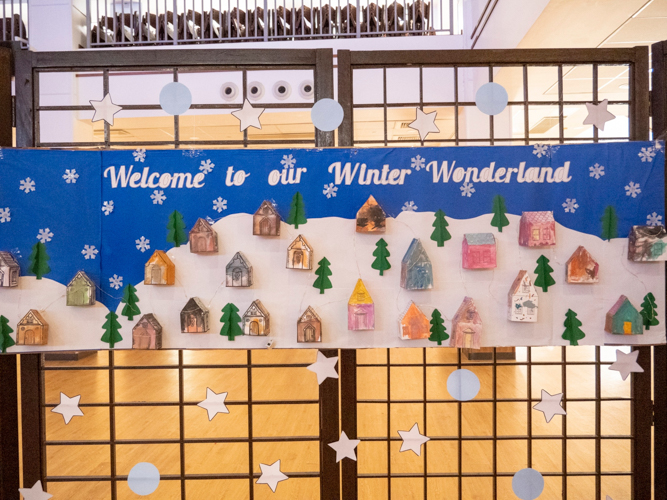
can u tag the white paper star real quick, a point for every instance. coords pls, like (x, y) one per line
(413, 440)
(324, 367)
(35, 493)
(271, 475)
(68, 408)
(345, 447)
(425, 123)
(550, 405)
(598, 114)
(214, 403)
(105, 110)
(249, 116)
(626, 363)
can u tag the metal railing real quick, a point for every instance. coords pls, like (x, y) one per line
(149, 22)
(13, 21)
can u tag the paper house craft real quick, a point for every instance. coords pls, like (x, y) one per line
(309, 327)
(266, 221)
(32, 329)
(203, 238)
(623, 318)
(239, 271)
(147, 333)
(360, 309)
(414, 324)
(371, 218)
(479, 251)
(256, 320)
(299, 254)
(647, 243)
(466, 326)
(522, 299)
(194, 317)
(9, 270)
(159, 270)
(537, 229)
(416, 270)
(581, 267)
(81, 290)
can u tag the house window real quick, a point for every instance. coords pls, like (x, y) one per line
(475, 257)
(546, 234)
(486, 257)
(536, 234)
(360, 297)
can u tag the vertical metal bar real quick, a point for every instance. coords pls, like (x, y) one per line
(112, 426)
(251, 459)
(105, 91)
(32, 436)
(329, 415)
(491, 130)
(421, 94)
(526, 116)
(181, 420)
(459, 430)
(659, 417)
(345, 98)
(563, 381)
(425, 396)
(456, 105)
(245, 94)
(561, 118)
(25, 105)
(348, 406)
(639, 96)
(529, 406)
(5, 100)
(659, 93)
(598, 424)
(388, 423)
(175, 21)
(596, 135)
(324, 88)
(177, 130)
(358, 18)
(384, 103)
(36, 114)
(494, 420)
(88, 25)
(266, 20)
(642, 412)
(9, 427)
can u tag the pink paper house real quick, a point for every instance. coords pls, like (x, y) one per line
(537, 229)
(479, 251)
(466, 326)
(360, 309)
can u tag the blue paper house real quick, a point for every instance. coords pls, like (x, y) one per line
(623, 318)
(416, 269)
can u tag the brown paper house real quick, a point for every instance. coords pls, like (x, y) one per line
(466, 326)
(581, 267)
(159, 270)
(194, 317)
(309, 327)
(147, 333)
(266, 221)
(32, 329)
(371, 218)
(81, 290)
(203, 238)
(299, 254)
(256, 320)
(9, 270)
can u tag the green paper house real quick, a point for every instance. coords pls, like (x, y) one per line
(624, 319)
(81, 290)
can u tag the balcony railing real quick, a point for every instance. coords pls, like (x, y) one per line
(13, 21)
(212, 21)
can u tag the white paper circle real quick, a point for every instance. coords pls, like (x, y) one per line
(528, 484)
(491, 98)
(143, 479)
(175, 98)
(463, 385)
(326, 115)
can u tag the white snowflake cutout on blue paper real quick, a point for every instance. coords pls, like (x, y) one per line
(89, 251)
(596, 170)
(158, 197)
(653, 219)
(219, 204)
(409, 206)
(107, 207)
(5, 215)
(467, 189)
(632, 189)
(570, 205)
(116, 282)
(329, 190)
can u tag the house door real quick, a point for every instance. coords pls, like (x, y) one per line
(2, 278)
(536, 234)
(360, 320)
(192, 327)
(29, 336)
(141, 339)
(237, 277)
(468, 338)
(254, 327)
(156, 275)
(78, 297)
(627, 327)
(297, 258)
(265, 226)
(200, 245)
(309, 334)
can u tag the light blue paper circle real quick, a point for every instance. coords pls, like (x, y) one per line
(463, 385)
(175, 98)
(491, 98)
(528, 484)
(143, 479)
(326, 115)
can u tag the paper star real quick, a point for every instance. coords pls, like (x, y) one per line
(626, 363)
(249, 116)
(35, 493)
(271, 475)
(598, 114)
(425, 123)
(550, 405)
(412, 440)
(324, 367)
(68, 408)
(214, 403)
(106, 109)
(345, 447)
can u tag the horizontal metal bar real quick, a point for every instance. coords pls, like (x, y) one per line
(117, 442)
(167, 367)
(498, 438)
(486, 474)
(128, 107)
(502, 139)
(171, 143)
(167, 477)
(189, 403)
(483, 400)
(470, 103)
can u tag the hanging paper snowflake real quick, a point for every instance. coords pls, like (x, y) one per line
(116, 282)
(206, 166)
(5, 215)
(540, 150)
(27, 185)
(288, 161)
(596, 170)
(418, 163)
(142, 244)
(44, 235)
(89, 251)
(219, 204)
(70, 176)
(329, 190)
(139, 155)
(647, 154)
(107, 207)
(653, 219)
(467, 189)
(570, 205)
(632, 189)
(158, 197)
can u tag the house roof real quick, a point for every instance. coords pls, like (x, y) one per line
(620, 303)
(518, 280)
(202, 226)
(300, 242)
(7, 259)
(415, 253)
(537, 217)
(303, 318)
(649, 231)
(371, 201)
(33, 316)
(256, 309)
(581, 254)
(80, 275)
(360, 288)
(480, 239)
(239, 258)
(413, 310)
(152, 320)
(194, 304)
(266, 204)
(161, 256)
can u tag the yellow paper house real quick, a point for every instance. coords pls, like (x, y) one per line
(360, 309)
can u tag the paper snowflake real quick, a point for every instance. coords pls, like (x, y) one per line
(5, 215)
(158, 197)
(329, 190)
(206, 166)
(116, 282)
(657, 146)
(632, 189)
(409, 206)
(570, 205)
(653, 219)
(70, 176)
(44, 235)
(418, 163)
(288, 161)
(647, 154)
(540, 150)
(89, 251)
(143, 244)
(27, 185)
(596, 170)
(107, 207)
(139, 155)
(193, 153)
(219, 204)
(467, 189)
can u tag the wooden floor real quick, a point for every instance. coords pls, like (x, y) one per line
(406, 387)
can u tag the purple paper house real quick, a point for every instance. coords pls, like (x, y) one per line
(360, 309)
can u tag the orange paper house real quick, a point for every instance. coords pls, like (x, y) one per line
(581, 267)
(371, 218)
(414, 324)
(159, 270)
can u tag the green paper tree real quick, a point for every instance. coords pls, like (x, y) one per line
(572, 331)
(39, 260)
(5, 340)
(111, 327)
(176, 229)
(130, 300)
(323, 272)
(438, 330)
(297, 211)
(230, 322)
(440, 233)
(609, 224)
(381, 253)
(543, 271)
(499, 210)
(648, 312)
